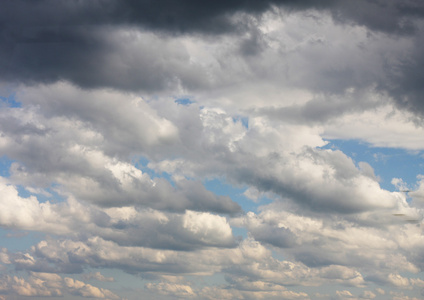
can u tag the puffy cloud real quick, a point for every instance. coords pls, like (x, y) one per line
(28, 213)
(368, 246)
(248, 267)
(76, 287)
(225, 141)
(385, 126)
(145, 227)
(118, 215)
(398, 280)
(112, 45)
(344, 294)
(50, 285)
(107, 158)
(93, 160)
(283, 165)
(418, 194)
(4, 257)
(34, 287)
(266, 233)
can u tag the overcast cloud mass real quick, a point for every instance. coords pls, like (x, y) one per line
(266, 149)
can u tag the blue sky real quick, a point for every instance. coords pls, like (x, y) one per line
(211, 150)
(388, 163)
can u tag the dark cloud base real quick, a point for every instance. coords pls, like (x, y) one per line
(45, 41)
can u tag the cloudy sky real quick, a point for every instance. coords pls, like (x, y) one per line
(269, 149)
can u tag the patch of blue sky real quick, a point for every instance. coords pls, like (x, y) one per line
(278, 253)
(218, 186)
(244, 121)
(388, 163)
(19, 240)
(240, 233)
(142, 163)
(5, 164)
(10, 101)
(222, 188)
(49, 194)
(184, 101)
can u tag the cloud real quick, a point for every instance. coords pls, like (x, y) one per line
(87, 147)
(144, 227)
(344, 294)
(250, 261)
(418, 194)
(51, 285)
(117, 116)
(318, 241)
(191, 16)
(111, 44)
(385, 126)
(101, 179)
(97, 276)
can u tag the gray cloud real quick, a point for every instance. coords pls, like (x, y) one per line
(127, 226)
(265, 159)
(405, 79)
(320, 238)
(117, 165)
(50, 285)
(188, 15)
(92, 161)
(46, 41)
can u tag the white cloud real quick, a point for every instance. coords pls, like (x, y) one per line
(385, 126)
(49, 285)
(344, 294)
(128, 163)
(398, 280)
(418, 194)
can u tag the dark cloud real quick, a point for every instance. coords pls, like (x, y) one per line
(323, 109)
(406, 79)
(391, 16)
(279, 237)
(204, 16)
(45, 40)
(175, 16)
(78, 41)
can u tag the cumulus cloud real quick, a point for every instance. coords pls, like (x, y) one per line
(51, 285)
(143, 227)
(95, 51)
(117, 118)
(319, 239)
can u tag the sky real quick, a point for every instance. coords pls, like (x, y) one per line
(236, 149)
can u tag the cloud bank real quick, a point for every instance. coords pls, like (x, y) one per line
(186, 149)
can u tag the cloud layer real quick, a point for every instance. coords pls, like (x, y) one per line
(184, 149)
